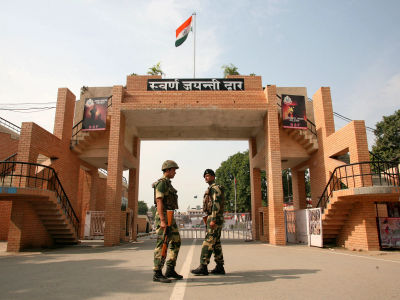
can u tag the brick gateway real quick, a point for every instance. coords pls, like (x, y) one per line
(149, 108)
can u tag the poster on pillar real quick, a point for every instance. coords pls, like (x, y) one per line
(294, 112)
(95, 114)
(314, 227)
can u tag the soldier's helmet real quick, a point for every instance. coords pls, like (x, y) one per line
(208, 171)
(168, 164)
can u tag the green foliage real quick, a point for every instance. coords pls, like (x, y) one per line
(156, 70)
(252, 74)
(133, 74)
(142, 208)
(230, 70)
(153, 210)
(308, 183)
(387, 134)
(237, 166)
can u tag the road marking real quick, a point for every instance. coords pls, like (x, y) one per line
(338, 253)
(180, 285)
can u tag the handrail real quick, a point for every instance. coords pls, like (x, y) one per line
(78, 126)
(360, 175)
(37, 176)
(310, 125)
(5, 171)
(11, 157)
(10, 125)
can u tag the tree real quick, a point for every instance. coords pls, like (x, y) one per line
(142, 208)
(156, 70)
(237, 166)
(230, 70)
(387, 134)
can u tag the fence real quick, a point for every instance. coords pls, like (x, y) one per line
(236, 226)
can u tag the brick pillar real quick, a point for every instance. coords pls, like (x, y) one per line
(325, 126)
(323, 112)
(133, 189)
(277, 234)
(64, 117)
(359, 153)
(255, 178)
(299, 189)
(26, 153)
(114, 168)
(255, 184)
(133, 199)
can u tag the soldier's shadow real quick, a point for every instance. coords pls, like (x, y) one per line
(248, 277)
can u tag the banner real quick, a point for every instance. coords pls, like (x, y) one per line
(294, 112)
(389, 232)
(95, 114)
(213, 84)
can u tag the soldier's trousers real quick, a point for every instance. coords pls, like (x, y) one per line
(174, 244)
(212, 244)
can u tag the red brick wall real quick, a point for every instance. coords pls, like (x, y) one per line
(5, 214)
(8, 146)
(26, 229)
(360, 230)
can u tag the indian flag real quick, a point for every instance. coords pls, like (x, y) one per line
(182, 32)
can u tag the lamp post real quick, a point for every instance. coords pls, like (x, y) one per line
(234, 182)
(235, 196)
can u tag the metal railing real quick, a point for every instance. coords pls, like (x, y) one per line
(105, 173)
(362, 174)
(10, 125)
(310, 125)
(236, 226)
(78, 126)
(32, 175)
(6, 170)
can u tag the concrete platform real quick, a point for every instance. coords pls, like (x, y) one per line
(254, 271)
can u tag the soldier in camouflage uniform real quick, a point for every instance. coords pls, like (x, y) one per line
(166, 198)
(213, 206)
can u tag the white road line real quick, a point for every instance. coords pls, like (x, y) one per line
(180, 286)
(338, 253)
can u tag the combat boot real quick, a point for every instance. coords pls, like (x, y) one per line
(158, 276)
(218, 270)
(201, 270)
(171, 273)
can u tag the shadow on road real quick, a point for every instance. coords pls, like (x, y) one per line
(249, 277)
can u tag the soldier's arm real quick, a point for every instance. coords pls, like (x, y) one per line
(216, 197)
(160, 191)
(160, 210)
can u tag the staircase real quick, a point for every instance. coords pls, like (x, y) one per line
(305, 138)
(7, 127)
(334, 217)
(336, 210)
(50, 212)
(45, 193)
(81, 141)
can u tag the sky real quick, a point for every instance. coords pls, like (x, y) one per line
(351, 46)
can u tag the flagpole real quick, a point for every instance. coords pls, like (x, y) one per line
(194, 45)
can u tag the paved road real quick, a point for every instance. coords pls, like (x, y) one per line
(255, 271)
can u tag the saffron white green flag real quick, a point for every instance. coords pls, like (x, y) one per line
(182, 32)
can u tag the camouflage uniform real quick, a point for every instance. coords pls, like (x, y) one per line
(164, 189)
(212, 241)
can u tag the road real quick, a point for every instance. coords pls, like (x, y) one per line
(254, 271)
